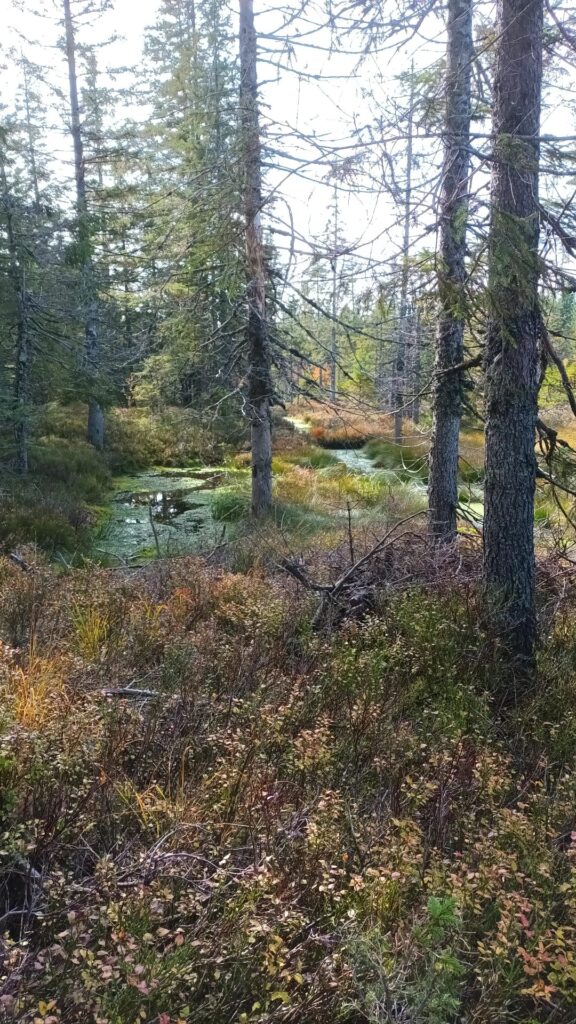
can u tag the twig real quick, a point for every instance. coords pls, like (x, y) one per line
(19, 561)
(561, 370)
(350, 536)
(128, 691)
(468, 364)
(541, 475)
(329, 594)
(345, 578)
(154, 531)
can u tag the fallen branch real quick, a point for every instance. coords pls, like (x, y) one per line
(296, 570)
(19, 561)
(330, 594)
(130, 692)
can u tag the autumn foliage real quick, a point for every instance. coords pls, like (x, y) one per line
(286, 826)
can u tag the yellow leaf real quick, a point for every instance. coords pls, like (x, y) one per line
(282, 997)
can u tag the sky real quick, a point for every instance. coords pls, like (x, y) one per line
(293, 109)
(299, 113)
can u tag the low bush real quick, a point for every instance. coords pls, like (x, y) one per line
(73, 466)
(138, 438)
(337, 437)
(344, 425)
(286, 826)
(44, 526)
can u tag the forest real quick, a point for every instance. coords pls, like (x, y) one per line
(288, 512)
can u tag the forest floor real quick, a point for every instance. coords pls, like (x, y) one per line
(218, 807)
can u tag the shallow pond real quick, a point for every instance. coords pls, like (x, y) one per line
(168, 512)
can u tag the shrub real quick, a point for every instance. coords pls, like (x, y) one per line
(74, 465)
(137, 438)
(47, 527)
(285, 825)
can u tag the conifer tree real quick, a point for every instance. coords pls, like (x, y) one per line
(88, 286)
(257, 329)
(447, 402)
(515, 326)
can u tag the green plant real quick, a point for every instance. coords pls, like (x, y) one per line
(230, 506)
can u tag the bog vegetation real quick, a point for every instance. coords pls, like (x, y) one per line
(287, 574)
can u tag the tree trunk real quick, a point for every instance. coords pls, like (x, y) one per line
(334, 332)
(401, 345)
(30, 135)
(447, 401)
(415, 368)
(257, 338)
(22, 384)
(514, 333)
(23, 353)
(95, 429)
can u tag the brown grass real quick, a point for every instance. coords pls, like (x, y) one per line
(344, 424)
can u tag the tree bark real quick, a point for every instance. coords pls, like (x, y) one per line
(447, 401)
(23, 352)
(257, 336)
(22, 384)
(95, 428)
(402, 343)
(333, 329)
(30, 134)
(415, 364)
(514, 331)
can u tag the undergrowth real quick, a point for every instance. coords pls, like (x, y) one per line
(286, 826)
(60, 500)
